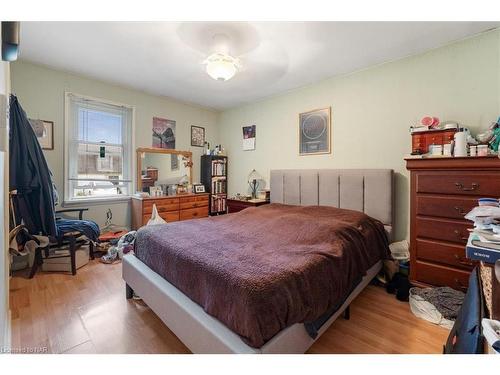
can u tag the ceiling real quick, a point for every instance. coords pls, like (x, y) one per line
(165, 58)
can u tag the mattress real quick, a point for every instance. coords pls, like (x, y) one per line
(264, 269)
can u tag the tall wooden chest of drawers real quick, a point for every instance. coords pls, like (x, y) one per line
(170, 208)
(442, 191)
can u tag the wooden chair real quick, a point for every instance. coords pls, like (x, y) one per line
(73, 240)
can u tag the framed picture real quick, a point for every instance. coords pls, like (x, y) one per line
(44, 131)
(163, 133)
(199, 188)
(197, 136)
(314, 132)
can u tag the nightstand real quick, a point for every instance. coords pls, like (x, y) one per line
(236, 205)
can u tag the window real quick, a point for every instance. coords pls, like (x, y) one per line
(98, 151)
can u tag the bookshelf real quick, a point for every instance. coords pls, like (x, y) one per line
(214, 177)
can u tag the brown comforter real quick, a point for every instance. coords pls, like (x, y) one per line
(263, 269)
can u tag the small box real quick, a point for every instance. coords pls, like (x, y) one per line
(64, 264)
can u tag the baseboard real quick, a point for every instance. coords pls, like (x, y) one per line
(7, 333)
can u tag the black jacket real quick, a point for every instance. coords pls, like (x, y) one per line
(29, 174)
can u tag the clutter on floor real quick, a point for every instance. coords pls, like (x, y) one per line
(123, 246)
(439, 305)
(400, 286)
(395, 271)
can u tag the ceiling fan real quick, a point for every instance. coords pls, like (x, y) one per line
(229, 48)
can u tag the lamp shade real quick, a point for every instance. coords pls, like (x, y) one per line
(221, 67)
(254, 175)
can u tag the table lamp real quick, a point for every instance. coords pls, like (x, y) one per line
(253, 180)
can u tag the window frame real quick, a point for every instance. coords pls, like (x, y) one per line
(67, 197)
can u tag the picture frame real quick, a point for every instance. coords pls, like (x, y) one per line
(197, 136)
(198, 188)
(315, 132)
(44, 131)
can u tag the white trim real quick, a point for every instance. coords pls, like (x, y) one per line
(7, 340)
(97, 201)
(132, 174)
(202, 333)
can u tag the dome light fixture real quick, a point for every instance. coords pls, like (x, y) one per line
(222, 66)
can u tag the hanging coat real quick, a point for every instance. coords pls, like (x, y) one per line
(29, 174)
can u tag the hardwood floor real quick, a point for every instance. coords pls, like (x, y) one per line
(88, 313)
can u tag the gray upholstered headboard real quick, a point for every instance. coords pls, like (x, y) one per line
(366, 190)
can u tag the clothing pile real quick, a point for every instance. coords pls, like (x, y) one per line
(124, 245)
(486, 216)
(22, 247)
(437, 305)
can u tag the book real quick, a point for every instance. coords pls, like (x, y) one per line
(486, 245)
(477, 250)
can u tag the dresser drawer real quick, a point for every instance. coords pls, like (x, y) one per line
(434, 139)
(162, 205)
(438, 275)
(462, 183)
(442, 229)
(187, 199)
(418, 143)
(202, 198)
(197, 204)
(167, 216)
(193, 213)
(439, 206)
(443, 253)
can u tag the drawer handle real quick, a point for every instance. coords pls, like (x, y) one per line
(459, 235)
(463, 261)
(460, 285)
(461, 186)
(195, 213)
(460, 210)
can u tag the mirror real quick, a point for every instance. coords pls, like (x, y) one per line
(163, 172)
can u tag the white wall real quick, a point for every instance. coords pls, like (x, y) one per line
(4, 212)
(371, 113)
(41, 93)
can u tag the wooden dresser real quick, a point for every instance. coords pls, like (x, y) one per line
(442, 191)
(170, 208)
(236, 205)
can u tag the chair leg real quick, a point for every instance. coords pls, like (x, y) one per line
(91, 250)
(72, 253)
(36, 262)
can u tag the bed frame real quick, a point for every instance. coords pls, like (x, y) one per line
(366, 190)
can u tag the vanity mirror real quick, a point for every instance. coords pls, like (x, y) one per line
(163, 172)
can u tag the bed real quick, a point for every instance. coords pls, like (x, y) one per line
(270, 279)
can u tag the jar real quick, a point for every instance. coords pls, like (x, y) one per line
(482, 150)
(473, 150)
